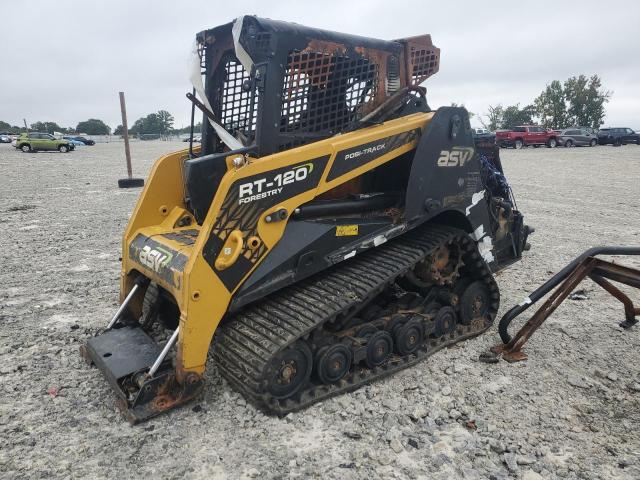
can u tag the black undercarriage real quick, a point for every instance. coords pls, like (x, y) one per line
(359, 321)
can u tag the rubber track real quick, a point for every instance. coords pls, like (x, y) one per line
(246, 343)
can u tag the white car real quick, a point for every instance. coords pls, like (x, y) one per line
(5, 139)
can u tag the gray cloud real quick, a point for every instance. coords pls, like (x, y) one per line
(69, 60)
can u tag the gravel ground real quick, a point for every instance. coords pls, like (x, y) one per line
(570, 411)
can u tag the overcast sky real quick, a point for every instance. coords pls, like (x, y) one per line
(65, 61)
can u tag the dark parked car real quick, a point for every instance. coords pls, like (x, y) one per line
(483, 138)
(577, 137)
(84, 140)
(618, 136)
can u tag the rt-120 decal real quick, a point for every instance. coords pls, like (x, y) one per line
(272, 185)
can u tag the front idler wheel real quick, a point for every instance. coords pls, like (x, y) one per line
(289, 370)
(408, 337)
(333, 362)
(379, 348)
(474, 302)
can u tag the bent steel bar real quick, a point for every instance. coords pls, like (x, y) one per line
(586, 265)
(554, 281)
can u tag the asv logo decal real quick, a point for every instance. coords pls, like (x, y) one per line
(456, 157)
(264, 187)
(154, 259)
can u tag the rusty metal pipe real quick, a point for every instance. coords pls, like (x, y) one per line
(600, 271)
(553, 302)
(554, 281)
(630, 311)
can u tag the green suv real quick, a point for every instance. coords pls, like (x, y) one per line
(34, 141)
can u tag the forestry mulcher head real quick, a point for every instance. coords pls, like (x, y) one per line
(330, 229)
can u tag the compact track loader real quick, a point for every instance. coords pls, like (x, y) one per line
(331, 228)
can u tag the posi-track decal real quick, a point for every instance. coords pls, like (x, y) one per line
(352, 158)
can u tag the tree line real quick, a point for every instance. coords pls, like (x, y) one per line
(578, 101)
(160, 123)
(92, 126)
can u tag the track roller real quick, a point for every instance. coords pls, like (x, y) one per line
(289, 370)
(366, 331)
(408, 337)
(379, 347)
(396, 322)
(333, 362)
(445, 321)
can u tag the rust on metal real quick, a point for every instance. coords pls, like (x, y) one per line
(159, 395)
(316, 45)
(422, 58)
(600, 271)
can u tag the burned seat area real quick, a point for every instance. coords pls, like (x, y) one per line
(324, 94)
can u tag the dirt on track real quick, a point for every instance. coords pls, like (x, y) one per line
(571, 411)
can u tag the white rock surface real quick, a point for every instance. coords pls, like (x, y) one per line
(549, 417)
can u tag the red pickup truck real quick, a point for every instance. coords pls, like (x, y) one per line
(527, 135)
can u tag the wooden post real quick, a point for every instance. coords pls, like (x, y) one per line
(129, 181)
(125, 128)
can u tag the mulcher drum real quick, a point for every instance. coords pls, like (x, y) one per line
(246, 344)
